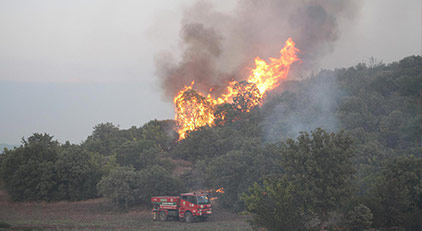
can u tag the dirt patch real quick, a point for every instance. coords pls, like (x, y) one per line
(181, 167)
(101, 214)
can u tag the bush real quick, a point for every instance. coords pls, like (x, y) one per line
(360, 218)
(128, 187)
(400, 194)
(316, 182)
(276, 205)
(77, 174)
(28, 171)
(122, 186)
(237, 170)
(42, 170)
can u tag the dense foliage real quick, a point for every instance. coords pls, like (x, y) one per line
(127, 187)
(43, 169)
(317, 181)
(341, 150)
(378, 106)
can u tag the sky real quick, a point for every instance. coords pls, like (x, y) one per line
(66, 66)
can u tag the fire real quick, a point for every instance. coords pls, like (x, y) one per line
(267, 76)
(220, 190)
(194, 109)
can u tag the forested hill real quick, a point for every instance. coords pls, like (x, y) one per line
(341, 150)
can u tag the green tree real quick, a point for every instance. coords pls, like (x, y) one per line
(137, 154)
(127, 187)
(399, 193)
(390, 128)
(413, 130)
(157, 181)
(104, 139)
(359, 218)
(321, 165)
(276, 205)
(162, 133)
(199, 144)
(28, 171)
(77, 174)
(41, 169)
(123, 186)
(237, 170)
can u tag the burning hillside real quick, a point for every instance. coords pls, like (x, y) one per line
(216, 46)
(196, 109)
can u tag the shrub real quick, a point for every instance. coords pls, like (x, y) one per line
(360, 218)
(127, 187)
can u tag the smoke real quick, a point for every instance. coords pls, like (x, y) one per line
(304, 106)
(219, 47)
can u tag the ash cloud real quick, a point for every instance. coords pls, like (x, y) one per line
(220, 47)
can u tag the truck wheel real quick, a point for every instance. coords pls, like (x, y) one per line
(163, 216)
(188, 217)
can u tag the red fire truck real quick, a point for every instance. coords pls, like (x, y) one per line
(187, 206)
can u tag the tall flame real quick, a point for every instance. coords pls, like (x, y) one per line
(194, 110)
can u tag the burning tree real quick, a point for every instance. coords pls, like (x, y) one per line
(247, 96)
(194, 109)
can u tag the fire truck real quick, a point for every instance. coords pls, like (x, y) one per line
(188, 207)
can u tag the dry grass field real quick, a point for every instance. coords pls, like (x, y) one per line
(100, 214)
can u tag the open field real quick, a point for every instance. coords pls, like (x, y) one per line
(99, 214)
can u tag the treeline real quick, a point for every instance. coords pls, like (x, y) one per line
(341, 150)
(127, 166)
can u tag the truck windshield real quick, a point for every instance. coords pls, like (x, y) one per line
(203, 200)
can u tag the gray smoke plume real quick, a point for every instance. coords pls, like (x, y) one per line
(219, 47)
(304, 106)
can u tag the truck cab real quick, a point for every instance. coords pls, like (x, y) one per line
(187, 206)
(194, 206)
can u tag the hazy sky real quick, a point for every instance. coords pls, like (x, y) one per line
(66, 66)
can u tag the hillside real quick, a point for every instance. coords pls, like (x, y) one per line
(340, 150)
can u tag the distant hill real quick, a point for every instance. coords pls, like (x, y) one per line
(8, 146)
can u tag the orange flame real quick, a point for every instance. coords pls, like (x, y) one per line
(194, 110)
(220, 190)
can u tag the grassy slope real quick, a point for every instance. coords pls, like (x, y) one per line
(99, 214)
